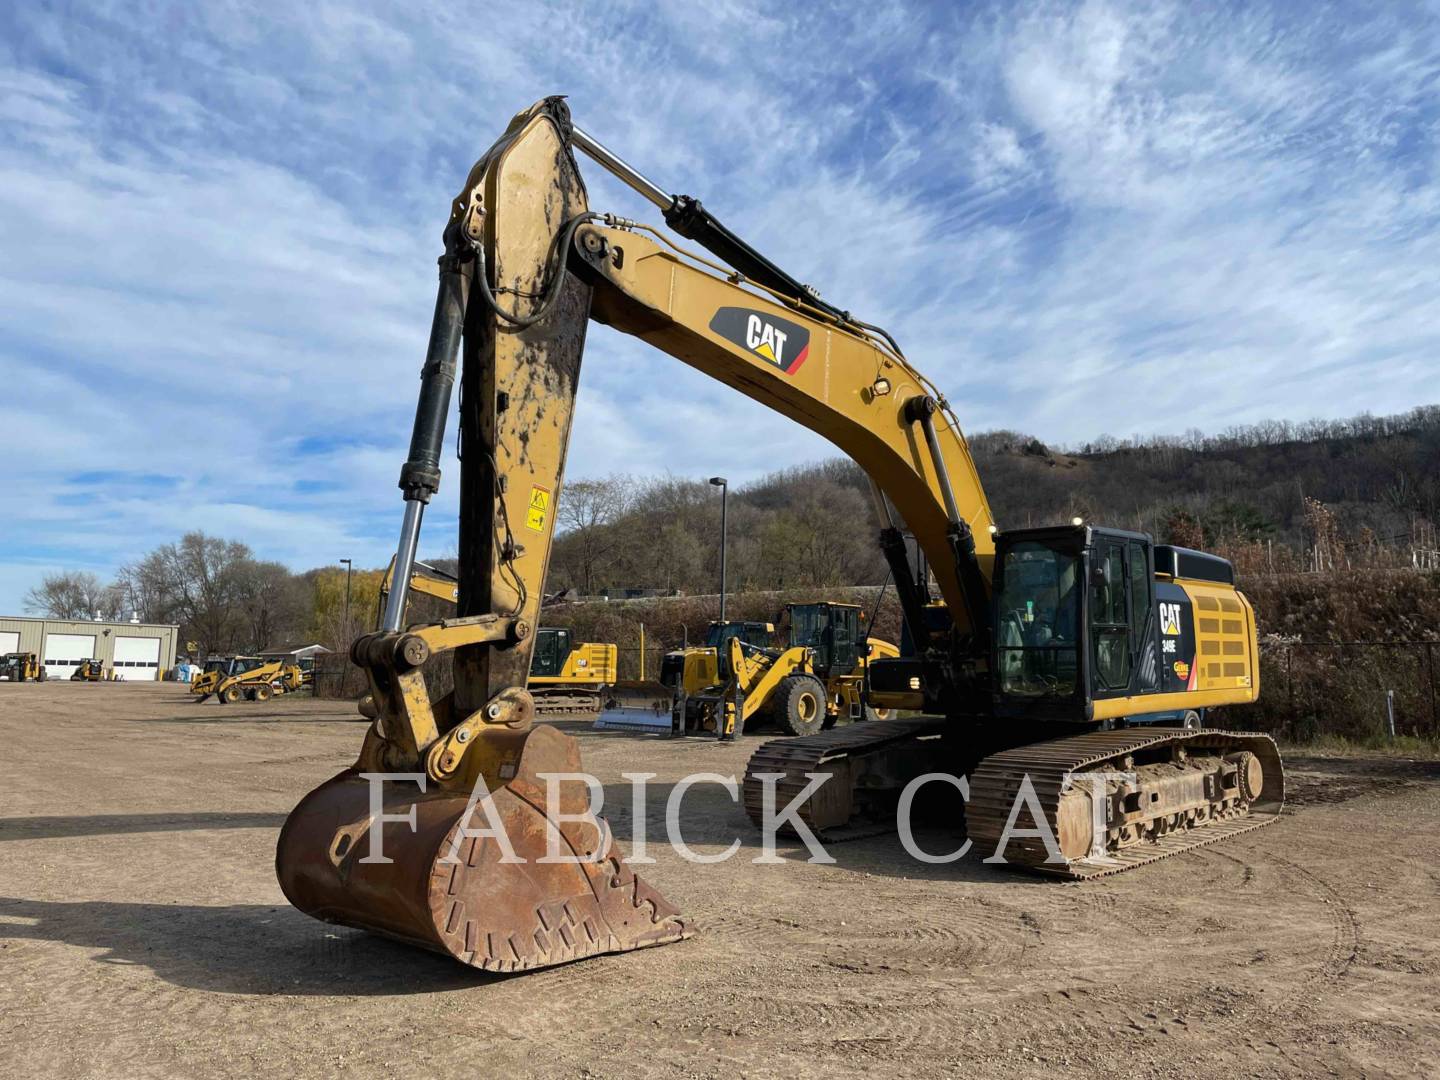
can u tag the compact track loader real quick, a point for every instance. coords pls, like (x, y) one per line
(90, 670)
(1042, 648)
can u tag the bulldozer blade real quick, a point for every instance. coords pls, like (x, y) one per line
(444, 888)
(636, 705)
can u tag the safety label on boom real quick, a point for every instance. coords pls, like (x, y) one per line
(539, 508)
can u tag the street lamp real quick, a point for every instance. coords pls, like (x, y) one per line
(348, 565)
(724, 486)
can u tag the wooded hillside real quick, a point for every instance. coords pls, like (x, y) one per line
(1275, 497)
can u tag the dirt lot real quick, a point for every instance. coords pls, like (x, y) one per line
(142, 932)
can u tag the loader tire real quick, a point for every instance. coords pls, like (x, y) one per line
(1191, 721)
(261, 693)
(800, 705)
(872, 713)
(231, 695)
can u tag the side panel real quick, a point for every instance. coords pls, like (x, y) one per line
(1214, 657)
(1225, 635)
(1177, 637)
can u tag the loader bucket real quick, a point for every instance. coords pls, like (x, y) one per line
(451, 892)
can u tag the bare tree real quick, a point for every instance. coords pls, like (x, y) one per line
(73, 594)
(587, 510)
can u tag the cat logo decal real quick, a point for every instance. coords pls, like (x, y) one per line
(772, 339)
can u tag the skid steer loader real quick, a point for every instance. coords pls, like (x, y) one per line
(22, 667)
(260, 682)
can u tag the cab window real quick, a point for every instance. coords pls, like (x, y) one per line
(1038, 621)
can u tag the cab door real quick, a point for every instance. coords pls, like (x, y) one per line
(843, 650)
(1111, 637)
(1121, 629)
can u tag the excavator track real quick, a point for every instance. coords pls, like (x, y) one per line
(1190, 788)
(835, 751)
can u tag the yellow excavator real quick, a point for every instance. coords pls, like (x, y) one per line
(817, 680)
(1041, 668)
(567, 677)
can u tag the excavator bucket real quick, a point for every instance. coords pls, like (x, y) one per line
(554, 888)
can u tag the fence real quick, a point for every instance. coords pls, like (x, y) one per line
(1346, 688)
(336, 677)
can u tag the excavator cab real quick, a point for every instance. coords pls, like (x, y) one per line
(553, 647)
(1095, 624)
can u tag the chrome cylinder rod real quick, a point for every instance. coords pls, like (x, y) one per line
(620, 168)
(404, 565)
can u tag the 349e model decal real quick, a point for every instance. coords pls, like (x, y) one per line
(776, 341)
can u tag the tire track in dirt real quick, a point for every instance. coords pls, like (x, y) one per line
(1347, 937)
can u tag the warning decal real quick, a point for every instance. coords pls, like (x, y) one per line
(539, 508)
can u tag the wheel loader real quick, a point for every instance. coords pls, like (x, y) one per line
(22, 667)
(1040, 650)
(813, 682)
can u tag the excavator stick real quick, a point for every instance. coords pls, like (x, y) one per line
(450, 831)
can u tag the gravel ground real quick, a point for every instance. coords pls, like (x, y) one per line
(142, 932)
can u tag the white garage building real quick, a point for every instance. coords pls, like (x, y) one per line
(135, 652)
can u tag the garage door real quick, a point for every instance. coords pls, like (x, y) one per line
(9, 641)
(63, 653)
(137, 659)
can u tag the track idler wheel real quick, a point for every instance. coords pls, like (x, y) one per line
(445, 889)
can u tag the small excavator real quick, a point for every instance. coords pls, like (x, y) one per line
(1038, 670)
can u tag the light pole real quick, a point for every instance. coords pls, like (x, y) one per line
(347, 564)
(724, 486)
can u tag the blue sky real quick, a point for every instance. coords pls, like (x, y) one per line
(220, 222)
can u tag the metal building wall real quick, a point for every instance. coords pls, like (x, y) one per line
(33, 633)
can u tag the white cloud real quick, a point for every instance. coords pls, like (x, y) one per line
(1078, 218)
